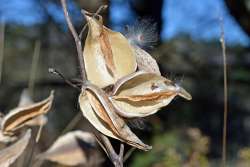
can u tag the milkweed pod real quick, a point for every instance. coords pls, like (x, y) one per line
(78, 144)
(19, 116)
(105, 119)
(145, 61)
(10, 154)
(92, 117)
(108, 56)
(142, 94)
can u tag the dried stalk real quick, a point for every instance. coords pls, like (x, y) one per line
(2, 32)
(34, 65)
(224, 139)
(117, 159)
(76, 38)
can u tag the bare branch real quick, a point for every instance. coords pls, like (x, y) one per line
(54, 71)
(76, 38)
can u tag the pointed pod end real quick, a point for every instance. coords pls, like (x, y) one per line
(183, 93)
(144, 147)
(95, 24)
(148, 148)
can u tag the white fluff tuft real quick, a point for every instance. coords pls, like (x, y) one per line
(143, 33)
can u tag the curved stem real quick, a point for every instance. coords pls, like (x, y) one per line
(76, 38)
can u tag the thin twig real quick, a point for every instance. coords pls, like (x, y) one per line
(76, 38)
(103, 7)
(34, 66)
(128, 154)
(2, 32)
(224, 139)
(117, 159)
(56, 72)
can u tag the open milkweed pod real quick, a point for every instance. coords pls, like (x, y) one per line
(142, 94)
(19, 116)
(145, 61)
(108, 56)
(25, 100)
(10, 154)
(73, 148)
(98, 109)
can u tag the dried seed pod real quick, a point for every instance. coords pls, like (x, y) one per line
(106, 119)
(145, 61)
(92, 117)
(10, 154)
(77, 144)
(142, 94)
(107, 54)
(19, 116)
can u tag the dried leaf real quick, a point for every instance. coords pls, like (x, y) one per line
(71, 149)
(19, 116)
(145, 61)
(107, 116)
(142, 94)
(108, 55)
(10, 154)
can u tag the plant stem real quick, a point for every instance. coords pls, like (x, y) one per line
(2, 32)
(76, 38)
(34, 66)
(225, 115)
(117, 159)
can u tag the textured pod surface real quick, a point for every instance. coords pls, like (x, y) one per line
(108, 55)
(19, 116)
(145, 61)
(10, 154)
(142, 94)
(71, 149)
(92, 117)
(108, 117)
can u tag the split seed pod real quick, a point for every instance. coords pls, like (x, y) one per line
(99, 110)
(71, 149)
(142, 94)
(25, 100)
(19, 116)
(108, 56)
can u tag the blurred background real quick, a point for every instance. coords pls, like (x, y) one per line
(188, 51)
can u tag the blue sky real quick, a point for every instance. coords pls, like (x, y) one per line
(196, 18)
